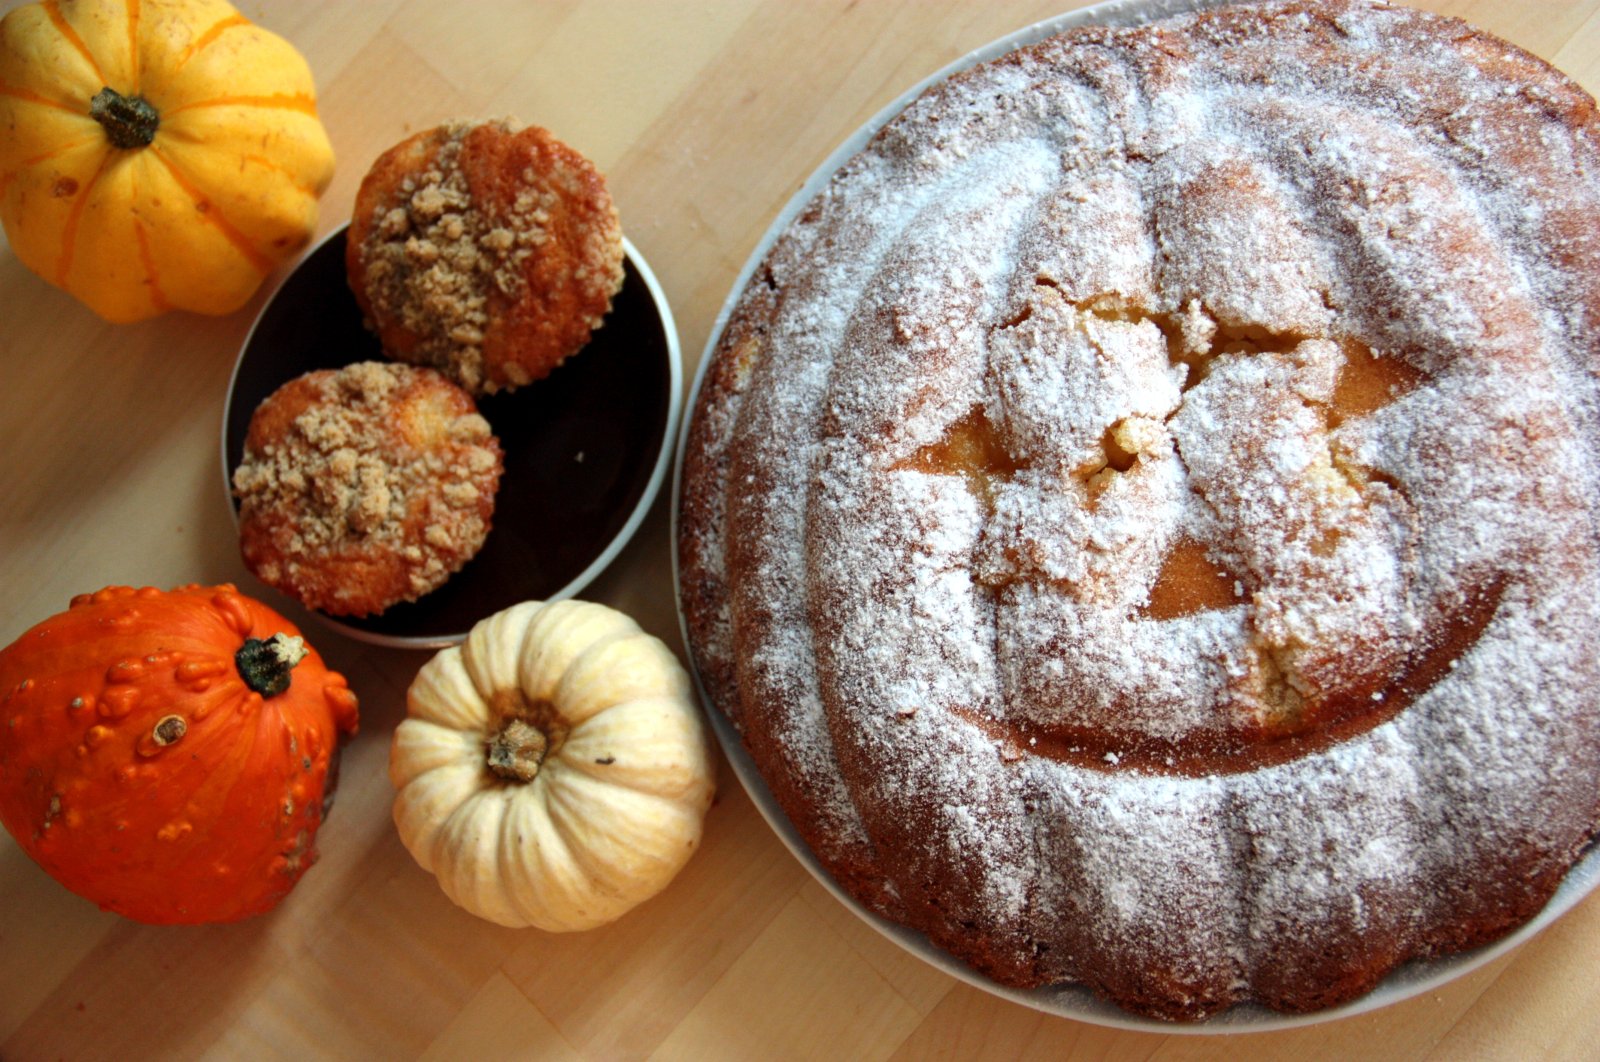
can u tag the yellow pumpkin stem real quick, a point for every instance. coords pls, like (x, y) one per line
(129, 121)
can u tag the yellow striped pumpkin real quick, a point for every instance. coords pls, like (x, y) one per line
(155, 154)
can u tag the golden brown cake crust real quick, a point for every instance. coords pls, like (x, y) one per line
(1142, 516)
(366, 486)
(487, 251)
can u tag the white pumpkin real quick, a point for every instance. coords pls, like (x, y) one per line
(553, 770)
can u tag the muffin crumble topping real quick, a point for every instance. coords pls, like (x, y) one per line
(382, 463)
(473, 236)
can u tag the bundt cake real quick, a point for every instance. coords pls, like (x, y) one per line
(1141, 515)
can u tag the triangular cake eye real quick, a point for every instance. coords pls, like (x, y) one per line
(1368, 381)
(971, 449)
(1189, 582)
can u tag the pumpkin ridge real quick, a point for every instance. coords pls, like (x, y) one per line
(469, 879)
(209, 37)
(513, 850)
(658, 765)
(283, 171)
(217, 786)
(613, 831)
(52, 9)
(51, 154)
(213, 216)
(148, 263)
(133, 43)
(563, 818)
(10, 175)
(69, 232)
(30, 96)
(249, 769)
(422, 811)
(303, 102)
(445, 835)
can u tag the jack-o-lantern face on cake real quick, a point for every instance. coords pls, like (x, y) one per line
(1142, 514)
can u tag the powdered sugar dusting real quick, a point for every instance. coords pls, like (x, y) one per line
(1271, 304)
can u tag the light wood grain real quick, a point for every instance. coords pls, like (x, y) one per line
(706, 116)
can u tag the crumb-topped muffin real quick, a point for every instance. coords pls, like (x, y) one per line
(366, 486)
(486, 251)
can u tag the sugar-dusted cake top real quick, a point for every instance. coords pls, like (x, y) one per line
(1142, 515)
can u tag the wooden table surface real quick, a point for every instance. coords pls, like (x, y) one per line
(706, 116)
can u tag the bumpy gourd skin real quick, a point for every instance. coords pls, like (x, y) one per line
(140, 768)
(191, 214)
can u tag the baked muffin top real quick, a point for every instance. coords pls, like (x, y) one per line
(365, 486)
(487, 251)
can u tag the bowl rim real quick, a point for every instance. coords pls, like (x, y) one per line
(1072, 1001)
(658, 473)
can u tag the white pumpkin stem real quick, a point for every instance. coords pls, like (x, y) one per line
(517, 752)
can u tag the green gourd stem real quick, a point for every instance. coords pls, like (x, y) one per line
(129, 121)
(265, 664)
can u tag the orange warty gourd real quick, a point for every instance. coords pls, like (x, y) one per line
(155, 154)
(166, 753)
